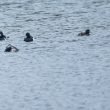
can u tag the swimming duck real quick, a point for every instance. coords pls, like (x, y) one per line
(86, 33)
(11, 48)
(28, 38)
(2, 36)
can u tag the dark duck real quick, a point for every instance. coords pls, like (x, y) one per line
(2, 36)
(11, 48)
(28, 38)
(86, 33)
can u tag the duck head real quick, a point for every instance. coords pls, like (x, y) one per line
(87, 32)
(28, 35)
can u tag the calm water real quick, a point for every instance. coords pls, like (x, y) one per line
(59, 70)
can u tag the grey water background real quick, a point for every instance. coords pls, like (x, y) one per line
(58, 70)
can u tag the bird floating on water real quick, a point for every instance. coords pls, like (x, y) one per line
(86, 33)
(28, 38)
(11, 48)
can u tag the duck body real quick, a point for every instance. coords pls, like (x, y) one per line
(28, 38)
(86, 33)
(1, 38)
(11, 48)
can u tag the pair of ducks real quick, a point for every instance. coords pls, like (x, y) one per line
(29, 38)
(11, 48)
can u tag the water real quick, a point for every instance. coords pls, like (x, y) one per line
(59, 70)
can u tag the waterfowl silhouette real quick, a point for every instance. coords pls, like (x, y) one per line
(86, 33)
(2, 36)
(11, 48)
(28, 38)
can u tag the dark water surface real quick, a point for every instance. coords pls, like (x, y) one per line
(59, 70)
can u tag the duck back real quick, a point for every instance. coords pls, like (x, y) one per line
(28, 39)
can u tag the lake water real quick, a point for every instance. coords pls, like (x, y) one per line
(58, 70)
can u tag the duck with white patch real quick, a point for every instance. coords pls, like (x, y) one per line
(11, 48)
